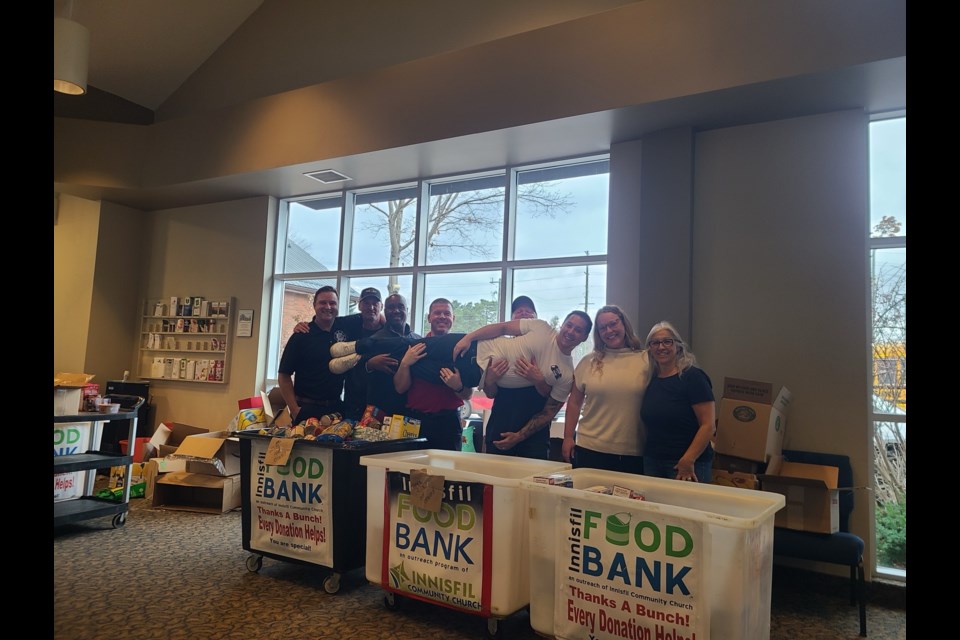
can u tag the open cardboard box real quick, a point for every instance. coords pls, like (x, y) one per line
(811, 492)
(750, 420)
(180, 491)
(214, 453)
(170, 435)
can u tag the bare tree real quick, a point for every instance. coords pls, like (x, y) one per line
(889, 288)
(455, 219)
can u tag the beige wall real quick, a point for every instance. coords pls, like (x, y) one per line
(216, 251)
(761, 262)
(114, 321)
(75, 234)
(780, 276)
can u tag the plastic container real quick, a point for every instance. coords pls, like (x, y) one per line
(138, 447)
(689, 559)
(495, 582)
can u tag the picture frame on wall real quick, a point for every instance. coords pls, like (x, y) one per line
(245, 323)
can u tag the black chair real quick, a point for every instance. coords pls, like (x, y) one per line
(842, 547)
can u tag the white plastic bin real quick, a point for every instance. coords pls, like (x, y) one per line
(691, 560)
(471, 555)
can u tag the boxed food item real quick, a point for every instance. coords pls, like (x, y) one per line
(811, 492)
(751, 420)
(403, 427)
(556, 479)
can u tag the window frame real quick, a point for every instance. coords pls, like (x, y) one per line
(503, 264)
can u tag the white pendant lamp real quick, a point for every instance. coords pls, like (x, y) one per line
(71, 50)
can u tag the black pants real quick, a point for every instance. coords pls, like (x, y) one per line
(590, 459)
(439, 355)
(512, 409)
(441, 429)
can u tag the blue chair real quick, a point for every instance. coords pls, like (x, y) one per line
(842, 547)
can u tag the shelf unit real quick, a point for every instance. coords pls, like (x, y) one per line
(185, 347)
(87, 506)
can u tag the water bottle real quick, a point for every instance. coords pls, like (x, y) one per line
(466, 439)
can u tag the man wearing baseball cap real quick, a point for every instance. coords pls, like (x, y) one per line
(522, 307)
(370, 306)
(363, 324)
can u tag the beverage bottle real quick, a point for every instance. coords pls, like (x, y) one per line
(466, 439)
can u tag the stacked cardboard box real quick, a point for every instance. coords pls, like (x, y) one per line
(751, 423)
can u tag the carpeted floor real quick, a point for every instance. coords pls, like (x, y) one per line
(180, 575)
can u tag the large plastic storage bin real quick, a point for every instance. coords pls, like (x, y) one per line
(473, 555)
(691, 560)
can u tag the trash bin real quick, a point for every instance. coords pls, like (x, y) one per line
(312, 509)
(688, 560)
(466, 551)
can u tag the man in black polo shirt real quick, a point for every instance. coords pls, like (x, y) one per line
(306, 383)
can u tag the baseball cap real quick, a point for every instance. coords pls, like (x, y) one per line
(522, 301)
(371, 292)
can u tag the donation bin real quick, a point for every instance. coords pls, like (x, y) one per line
(467, 550)
(656, 558)
(312, 509)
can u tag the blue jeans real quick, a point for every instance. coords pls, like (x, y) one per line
(659, 468)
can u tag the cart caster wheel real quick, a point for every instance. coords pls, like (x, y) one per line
(254, 563)
(331, 584)
(119, 520)
(392, 601)
(494, 629)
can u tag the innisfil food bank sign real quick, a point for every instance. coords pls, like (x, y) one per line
(628, 574)
(290, 504)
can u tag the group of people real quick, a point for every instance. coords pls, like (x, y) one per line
(637, 406)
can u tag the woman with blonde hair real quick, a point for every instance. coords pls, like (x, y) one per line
(679, 410)
(602, 428)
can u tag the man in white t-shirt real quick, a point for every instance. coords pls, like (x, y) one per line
(522, 425)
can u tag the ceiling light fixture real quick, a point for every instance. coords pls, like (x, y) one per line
(71, 51)
(327, 176)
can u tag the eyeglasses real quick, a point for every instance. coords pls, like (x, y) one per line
(666, 342)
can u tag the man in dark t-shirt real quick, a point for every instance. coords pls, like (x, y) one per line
(380, 390)
(306, 383)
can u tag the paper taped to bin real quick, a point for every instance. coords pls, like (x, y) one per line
(278, 451)
(426, 491)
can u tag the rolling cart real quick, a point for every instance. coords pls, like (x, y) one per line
(87, 506)
(311, 510)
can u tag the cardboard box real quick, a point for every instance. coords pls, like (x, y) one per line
(751, 421)
(214, 453)
(813, 499)
(196, 492)
(736, 479)
(170, 435)
(737, 465)
(68, 392)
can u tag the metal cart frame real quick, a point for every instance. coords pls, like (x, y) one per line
(88, 506)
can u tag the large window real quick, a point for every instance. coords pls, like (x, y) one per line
(478, 240)
(888, 288)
